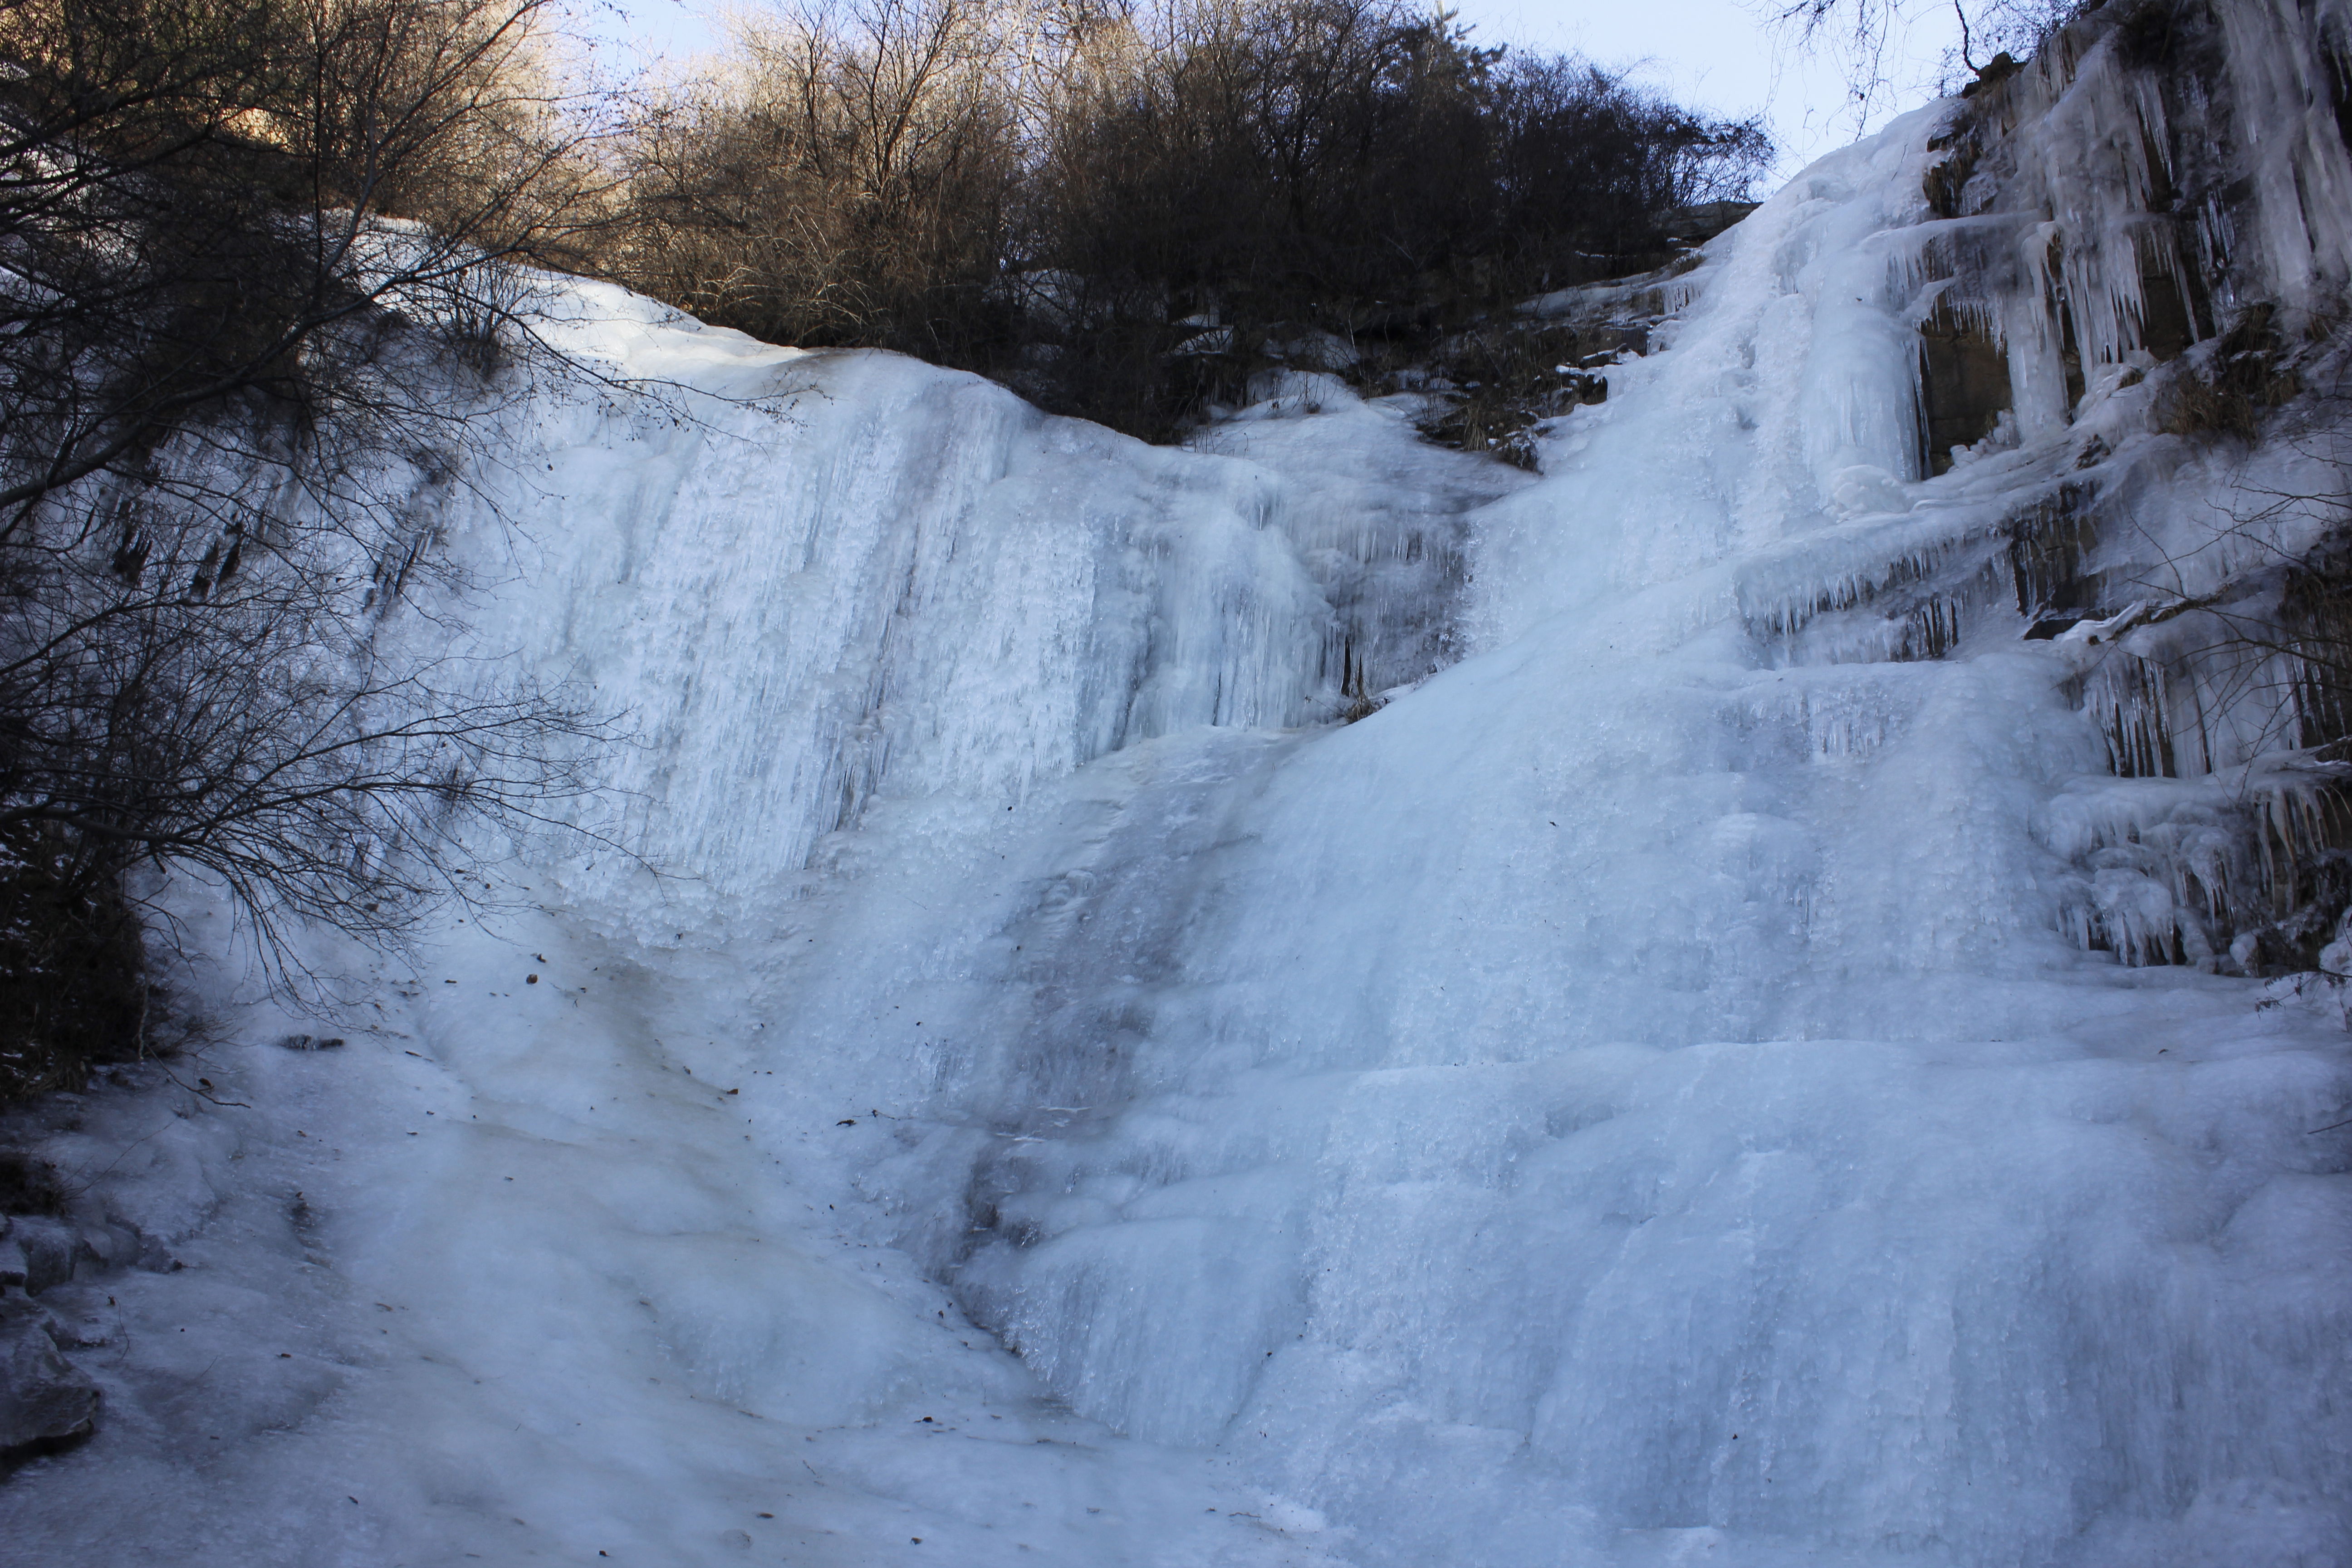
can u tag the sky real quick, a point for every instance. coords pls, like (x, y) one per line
(1726, 57)
(1720, 56)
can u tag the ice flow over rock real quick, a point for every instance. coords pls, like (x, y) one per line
(1681, 1079)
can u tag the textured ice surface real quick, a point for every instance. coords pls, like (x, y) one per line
(1631, 1099)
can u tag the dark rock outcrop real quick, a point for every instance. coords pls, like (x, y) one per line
(47, 1403)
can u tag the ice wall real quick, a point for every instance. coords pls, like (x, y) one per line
(1750, 1061)
(1720, 1068)
(809, 580)
(1726, 1069)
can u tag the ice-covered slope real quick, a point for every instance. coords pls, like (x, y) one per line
(552, 1258)
(1664, 1088)
(1638, 1093)
(866, 577)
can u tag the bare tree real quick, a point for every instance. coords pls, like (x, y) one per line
(1864, 38)
(1063, 194)
(843, 180)
(1360, 167)
(253, 253)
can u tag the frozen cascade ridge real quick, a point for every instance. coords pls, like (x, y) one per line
(1317, 1000)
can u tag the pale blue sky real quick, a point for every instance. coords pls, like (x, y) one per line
(1717, 55)
(1723, 56)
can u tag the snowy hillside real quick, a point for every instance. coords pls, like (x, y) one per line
(1739, 1053)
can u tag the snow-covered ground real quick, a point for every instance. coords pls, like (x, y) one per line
(1059, 1096)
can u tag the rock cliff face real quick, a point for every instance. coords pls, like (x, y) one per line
(47, 1403)
(2137, 255)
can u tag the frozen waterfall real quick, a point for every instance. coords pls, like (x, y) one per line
(1672, 1081)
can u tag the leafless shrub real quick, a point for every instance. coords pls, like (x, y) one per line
(1354, 166)
(843, 181)
(240, 239)
(1115, 206)
(2226, 388)
(2255, 661)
